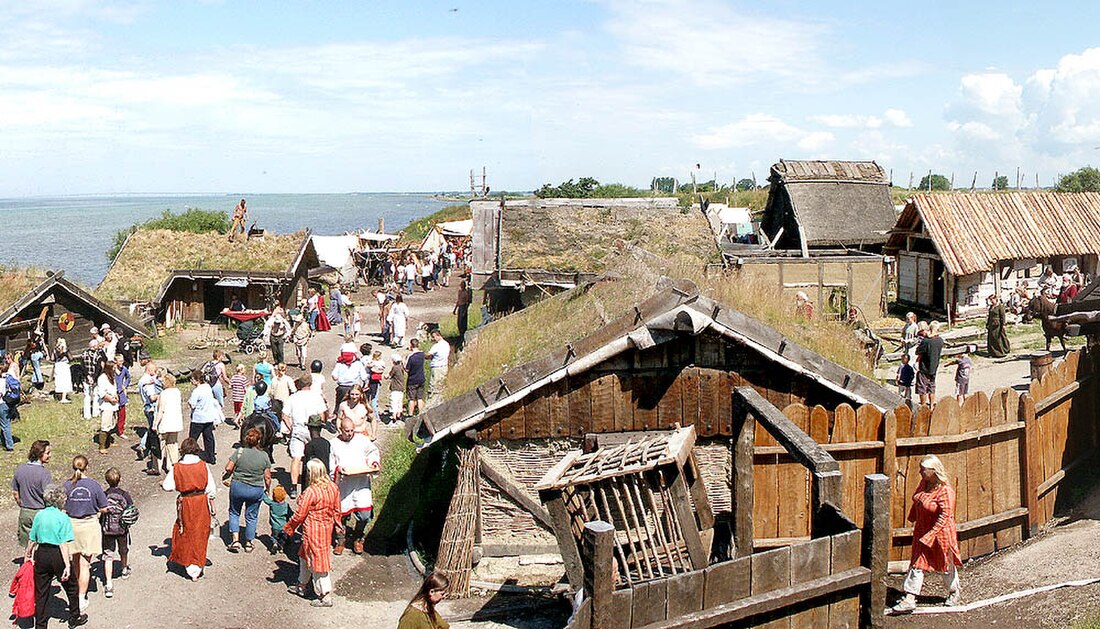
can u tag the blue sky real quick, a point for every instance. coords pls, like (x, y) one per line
(209, 96)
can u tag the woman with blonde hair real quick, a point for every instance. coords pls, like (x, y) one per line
(317, 513)
(355, 408)
(282, 385)
(935, 539)
(168, 421)
(62, 372)
(84, 501)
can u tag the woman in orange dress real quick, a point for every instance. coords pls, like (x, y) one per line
(317, 512)
(191, 477)
(935, 539)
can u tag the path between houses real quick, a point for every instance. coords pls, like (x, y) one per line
(249, 590)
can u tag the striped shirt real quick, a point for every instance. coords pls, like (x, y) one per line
(238, 384)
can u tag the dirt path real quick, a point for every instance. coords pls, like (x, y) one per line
(248, 590)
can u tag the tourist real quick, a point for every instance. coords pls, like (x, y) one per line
(219, 381)
(168, 421)
(356, 323)
(398, 319)
(150, 386)
(62, 372)
(396, 381)
(361, 414)
(251, 477)
(376, 369)
(10, 394)
(928, 362)
(963, 366)
(996, 337)
(300, 334)
(106, 391)
(421, 612)
(51, 546)
(316, 378)
(240, 214)
(426, 274)
(935, 539)
(909, 333)
(904, 378)
(321, 323)
(122, 382)
(36, 352)
(410, 274)
(299, 409)
(238, 386)
(313, 305)
(276, 332)
(278, 511)
(348, 372)
(84, 500)
(28, 486)
(414, 385)
(440, 354)
(91, 366)
(335, 305)
(116, 533)
(317, 447)
(191, 477)
(462, 308)
(264, 369)
(282, 385)
(354, 460)
(1050, 281)
(206, 412)
(317, 512)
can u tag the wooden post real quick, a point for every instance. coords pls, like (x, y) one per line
(554, 502)
(744, 430)
(826, 487)
(1031, 463)
(876, 547)
(681, 505)
(599, 572)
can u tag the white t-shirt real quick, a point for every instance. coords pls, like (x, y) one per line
(299, 406)
(410, 271)
(440, 353)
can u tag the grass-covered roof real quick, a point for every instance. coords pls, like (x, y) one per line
(15, 283)
(149, 257)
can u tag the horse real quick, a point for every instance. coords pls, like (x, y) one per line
(1043, 308)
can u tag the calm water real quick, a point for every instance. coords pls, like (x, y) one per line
(74, 233)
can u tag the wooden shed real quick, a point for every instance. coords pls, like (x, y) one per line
(955, 250)
(828, 204)
(671, 360)
(179, 276)
(39, 300)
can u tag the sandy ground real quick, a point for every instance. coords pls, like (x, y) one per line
(249, 590)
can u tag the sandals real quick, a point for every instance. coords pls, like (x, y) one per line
(297, 589)
(234, 547)
(248, 547)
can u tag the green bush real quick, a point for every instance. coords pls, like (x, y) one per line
(419, 228)
(589, 188)
(1085, 179)
(192, 220)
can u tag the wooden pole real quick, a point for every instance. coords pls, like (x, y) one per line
(744, 429)
(599, 573)
(910, 188)
(930, 180)
(1031, 463)
(456, 544)
(554, 501)
(876, 548)
(1017, 178)
(974, 182)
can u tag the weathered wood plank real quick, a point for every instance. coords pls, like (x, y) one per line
(512, 422)
(681, 504)
(649, 605)
(624, 412)
(979, 470)
(554, 502)
(580, 406)
(808, 562)
(709, 423)
(1007, 472)
(846, 554)
(685, 593)
(537, 415)
(771, 571)
(559, 411)
(876, 547)
(898, 504)
(600, 572)
(727, 581)
(604, 403)
(742, 487)
(794, 484)
(670, 409)
(645, 392)
(689, 390)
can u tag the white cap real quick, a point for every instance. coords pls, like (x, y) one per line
(349, 347)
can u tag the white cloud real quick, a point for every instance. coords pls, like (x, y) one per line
(897, 118)
(890, 117)
(751, 130)
(816, 140)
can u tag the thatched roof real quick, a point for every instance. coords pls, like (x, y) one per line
(149, 258)
(972, 231)
(578, 235)
(15, 283)
(834, 203)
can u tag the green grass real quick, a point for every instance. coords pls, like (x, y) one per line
(419, 228)
(449, 324)
(1091, 622)
(163, 346)
(63, 425)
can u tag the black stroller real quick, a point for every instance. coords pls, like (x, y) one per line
(251, 336)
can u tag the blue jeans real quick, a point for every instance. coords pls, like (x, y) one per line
(219, 393)
(313, 319)
(36, 367)
(5, 425)
(249, 497)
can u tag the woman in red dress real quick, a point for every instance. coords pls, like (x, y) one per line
(318, 511)
(323, 324)
(935, 539)
(191, 477)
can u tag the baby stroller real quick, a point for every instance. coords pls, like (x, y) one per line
(251, 336)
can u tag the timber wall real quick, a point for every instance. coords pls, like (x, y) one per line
(861, 279)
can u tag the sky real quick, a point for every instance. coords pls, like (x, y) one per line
(368, 96)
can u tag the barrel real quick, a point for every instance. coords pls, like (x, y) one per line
(1041, 363)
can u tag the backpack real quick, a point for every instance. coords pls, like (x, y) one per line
(13, 394)
(210, 372)
(112, 520)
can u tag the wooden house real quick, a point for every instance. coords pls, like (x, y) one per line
(828, 205)
(179, 276)
(624, 368)
(58, 307)
(955, 250)
(527, 249)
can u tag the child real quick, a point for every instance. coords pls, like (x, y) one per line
(238, 386)
(356, 323)
(376, 368)
(906, 375)
(962, 377)
(116, 534)
(397, 387)
(278, 513)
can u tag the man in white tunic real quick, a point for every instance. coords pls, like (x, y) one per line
(353, 460)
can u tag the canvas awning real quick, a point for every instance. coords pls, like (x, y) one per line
(456, 228)
(232, 282)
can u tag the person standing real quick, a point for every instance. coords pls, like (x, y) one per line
(168, 421)
(238, 387)
(300, 334)
(421, 612)
(191, 477)
(206, 412)
(36, 352)
(301, 406)
(359, 412)
(962, 377)
(348, 372)
(62, 372)
(28, 486)
(414, 385)
(122, 382)
(440, 355)
(354, 459)
(251, 477)
(935, 538)
(240, 215)
(276, 331)
(91, 364)
(462, 308)
(398, 318)
(106, 390)
(116, 533)
(10, 394)
(929, 350)
(84, 500)
(904, 378)
(282, 385)
(51, 548)
(150, 386)
(996, 337)
(397, 379)
(317, 513)
(909, 332)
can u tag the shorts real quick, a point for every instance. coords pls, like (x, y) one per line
(926, 385)
(296, 446)
(962, 388)
(116, 546)
(414, 392)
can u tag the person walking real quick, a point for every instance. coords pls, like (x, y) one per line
(348, 371)
(168, 421)
(414, 385)
(398, 318)
(276, 331)
(929, 350)
(106, 392)
(996, 337)
(28, 487)
(150, 386)
(317, 513)
(421, 612)
(301, 406)
(397, 379)
(250, 470)
(282, 385)
(50, 549)
(935, 538)
(300, 334)
(354, 460)
(440, 354)
(10, 395)
(206, 412)
(84, 501)
(122, 382)
(116, 532)
(62, 371)
(462, 308)
(355, 408)
(191, 477)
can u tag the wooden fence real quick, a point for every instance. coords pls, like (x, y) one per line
(1006, 453)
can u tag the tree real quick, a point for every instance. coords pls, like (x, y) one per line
(939, 182)
(1086, 179)
(746, 184)
(1001, 182)
(664, 184)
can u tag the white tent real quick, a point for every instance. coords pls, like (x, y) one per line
(456, 228)
(736, 221)
(336, 251)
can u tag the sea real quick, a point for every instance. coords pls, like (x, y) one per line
(74, 233)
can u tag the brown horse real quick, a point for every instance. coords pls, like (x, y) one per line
(1043, 308)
